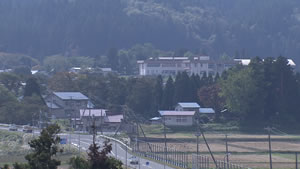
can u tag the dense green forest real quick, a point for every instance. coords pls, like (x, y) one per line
(245, 28)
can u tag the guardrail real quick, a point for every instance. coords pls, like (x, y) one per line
(116, 140)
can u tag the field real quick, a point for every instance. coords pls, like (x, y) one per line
(248, 150)
(14, 147)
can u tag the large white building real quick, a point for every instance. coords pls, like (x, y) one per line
(172, 65)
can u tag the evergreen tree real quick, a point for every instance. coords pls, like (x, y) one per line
(32, 87)
(44, 148)
(158, 92)
(168, 95)
(182, 88)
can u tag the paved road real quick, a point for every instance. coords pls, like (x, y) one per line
(117, 151)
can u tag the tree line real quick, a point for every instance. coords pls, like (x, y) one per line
(264, 93)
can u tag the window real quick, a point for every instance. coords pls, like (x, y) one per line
(211, 66)
(153, 65)
(181, 119)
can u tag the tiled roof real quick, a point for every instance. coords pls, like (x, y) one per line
(176, 113)
(71, 95)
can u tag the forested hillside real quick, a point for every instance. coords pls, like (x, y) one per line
(244, 28)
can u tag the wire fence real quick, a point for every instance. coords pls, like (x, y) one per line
(161, 153)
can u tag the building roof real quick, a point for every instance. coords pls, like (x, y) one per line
(206, 110)
(176, 113)
(113, 119)
(155, 118)
(92, 112)
(189, 104)
(71, 95)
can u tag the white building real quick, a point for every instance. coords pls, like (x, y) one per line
(172, 65)
(177, 118)
(246, 62)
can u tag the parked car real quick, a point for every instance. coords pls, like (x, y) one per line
(134, 160)
(27, 129)
(13, 128)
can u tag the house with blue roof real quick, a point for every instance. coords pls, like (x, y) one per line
(67, 105)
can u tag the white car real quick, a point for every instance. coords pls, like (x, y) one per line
(134, 160)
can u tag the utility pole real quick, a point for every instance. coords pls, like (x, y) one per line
(270, 148)
(165, 135)
(126, 154)
(296, 160)
(227, 155)
(197, 134)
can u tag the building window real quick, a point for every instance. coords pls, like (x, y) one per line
(153, 65)
(181, 119)
(211, 66)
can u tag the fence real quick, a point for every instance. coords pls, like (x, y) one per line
(161, 153)
(203, 162)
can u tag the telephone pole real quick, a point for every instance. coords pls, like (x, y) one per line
(165, 135)
(270, 148)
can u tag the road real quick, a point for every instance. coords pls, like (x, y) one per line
(117, 151)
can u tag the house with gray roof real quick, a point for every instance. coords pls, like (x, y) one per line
(187, 106)
(66, 105)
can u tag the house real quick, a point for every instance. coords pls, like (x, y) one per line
(170, 66)
(187, 106)
(207, 111)
(177, 118)
(88, 115)
(66, 105)
(112, 122)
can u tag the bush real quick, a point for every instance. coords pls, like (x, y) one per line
(78, 163)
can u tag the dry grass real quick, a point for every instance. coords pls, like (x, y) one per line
(248, 150)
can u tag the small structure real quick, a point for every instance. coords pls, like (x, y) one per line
(113, 122)
(88, 115)
(207, 111)
(155, 120)
(187, 106)
(177, 118)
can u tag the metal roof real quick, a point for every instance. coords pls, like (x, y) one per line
(176, 113)
(189, 105)
(206, 110)
(92, 112)
(71, 95)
